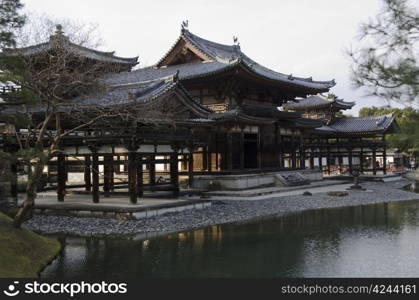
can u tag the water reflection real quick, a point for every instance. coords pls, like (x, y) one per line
(377, 240)
(413, 187)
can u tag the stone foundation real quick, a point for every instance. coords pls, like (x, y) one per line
(248, 181)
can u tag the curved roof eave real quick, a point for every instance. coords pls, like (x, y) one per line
(231, 54)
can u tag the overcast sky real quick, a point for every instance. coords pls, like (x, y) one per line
(302, 37)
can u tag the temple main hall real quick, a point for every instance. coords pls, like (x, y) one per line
(208, 117)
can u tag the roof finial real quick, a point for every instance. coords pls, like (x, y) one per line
(236, 40)
(59, 29)
(184, 25)
(176, 76)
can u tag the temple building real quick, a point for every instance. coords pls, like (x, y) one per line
(213, 114)
(344, 143)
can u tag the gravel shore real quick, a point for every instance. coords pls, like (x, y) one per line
(222, 212)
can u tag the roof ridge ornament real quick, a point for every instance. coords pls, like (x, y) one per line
(176, 76)
(58, 39)
(59, 29)
(290, 77)
(184, 25)
(236, 41)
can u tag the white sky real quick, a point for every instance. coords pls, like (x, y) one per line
(302, 37)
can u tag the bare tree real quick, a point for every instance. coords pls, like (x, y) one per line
(49, 81)
(58, 83)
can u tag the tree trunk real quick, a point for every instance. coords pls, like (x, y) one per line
(26, 211)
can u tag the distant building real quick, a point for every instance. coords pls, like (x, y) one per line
(344, 143)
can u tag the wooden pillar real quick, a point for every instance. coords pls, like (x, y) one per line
(302, 158)
(282, 150)
(174, 171)
(328, 160)
(87, 173)
(277, 151)
(152, 171)
(132, 175)
(204, 159)
(350, 159)
(302, 154)
(61, 176)
(259, 149)
(140, 184)
(107, 173)
(210, 148)
(361, 160)
(217, 150)
(95, 175)
(311, 158)
(374, 161)
(190, 167)
(384, 155)
(340, 161)
(229, 150)
(321, 159)
(293, 153)
(241, 148)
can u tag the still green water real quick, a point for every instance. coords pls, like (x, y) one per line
(379, 240)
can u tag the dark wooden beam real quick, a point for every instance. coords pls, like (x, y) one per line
(241, 148)
(229, 150)
(61, 176)
(132, 176)
(374, 161)
(361, 160)
(277, 150)
(384, 155)
(174, 171)
(87, 173)
(259, 148)
(95, 174)
(190, 167)
(328, 160)
(152, 172)
(107, 173)
(140, 182)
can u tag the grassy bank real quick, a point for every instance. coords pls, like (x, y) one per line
(23, 253)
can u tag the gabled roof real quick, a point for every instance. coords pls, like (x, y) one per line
(60, 40)
(232, 54)
(317, 102)
(361, 125)
(144, 93)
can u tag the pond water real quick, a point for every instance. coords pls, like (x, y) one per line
(413, 187)
(380, 240)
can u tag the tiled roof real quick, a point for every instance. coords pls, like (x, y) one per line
(360, 125)
(186, 71)
(317, 101)
(230, 54)
(128, 94)
(142, 93)
(60, 40)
